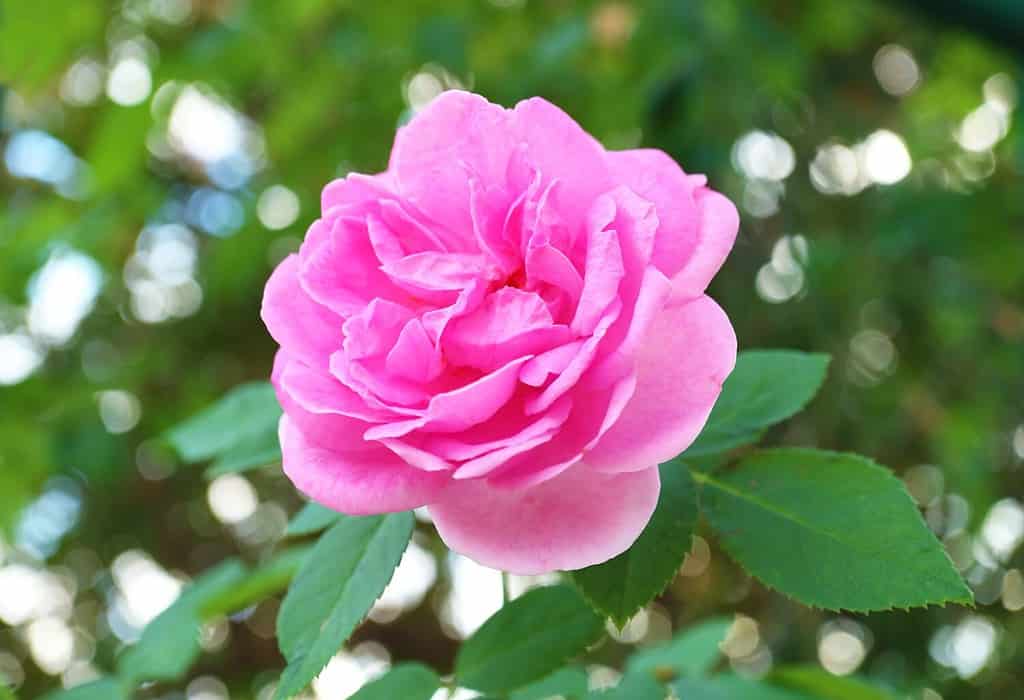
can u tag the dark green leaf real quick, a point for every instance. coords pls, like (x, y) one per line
(247, 413)
(527, 639)
(692, 653)
(102, 689)
(345, 573)
(765, 388)
(830, 530)
(170, 643)
(569, 682)
(621, 586)
(732, 688)
(631, 687)
(824, 686)
(405, 681)
(266, 580)
(312, 518)
(259, 452)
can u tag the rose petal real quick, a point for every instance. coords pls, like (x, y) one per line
(554, 361)
(340, 269)
(546, 264)
(687, 354)
(629, 332)
(375, 329)
(458, 136)
(414, 357)
(719, 223)
(654, 176)
(320, 393)
(577, 519)
(508, 427)
(579, 364)
(560, 149)
(356, 483)
(459, 409)
(604, 272)
(304, 328)
(356, 189)
(592, 414)
(509, 323)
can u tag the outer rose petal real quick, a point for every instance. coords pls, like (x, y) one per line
(577, 519)
(654, 176)
(356, 483)
(719, 223)
(326, 412)
(457, 137)
(561, 150)
(302, 327)
(687, 354)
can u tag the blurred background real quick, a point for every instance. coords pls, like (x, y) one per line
(160, 156)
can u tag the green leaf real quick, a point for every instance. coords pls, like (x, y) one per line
(830, 530)
(692, 653)
(824, 686)
(259, 584)
(631, 687)
(259, 452)
(247, 413)
(5, 692)
(406, 681)
(765, 388)
(732, 688)
(569, 682)
(170, 643)
(345, 573)
(621, 586)
(527, 639)
(101, 689)
(312, 518)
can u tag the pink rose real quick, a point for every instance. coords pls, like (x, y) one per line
(508, 326)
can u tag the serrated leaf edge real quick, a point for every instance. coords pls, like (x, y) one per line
(701, 478)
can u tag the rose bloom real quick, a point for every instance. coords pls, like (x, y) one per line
(507, 326)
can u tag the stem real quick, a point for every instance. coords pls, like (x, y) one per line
(506, 593)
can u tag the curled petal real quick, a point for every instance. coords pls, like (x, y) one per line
(688, 353)
(654, 176)
(356, 483)
(457, 137)
(456, 410)
(558, 148)
(718, 224)
(304, 328)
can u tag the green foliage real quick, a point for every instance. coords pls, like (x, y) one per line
(914, 287)
(406, 681)
(231, 428)
(823, 685)
(311, 519)
(623, 585)
(527, 639)
(569, 682)
(261, 583)
(692, 653)
(263, 449)
(831, 530)
(631, 687)
(101, 689)
(170, 643)
(345, 573)
(733, 688)
(765, 388)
